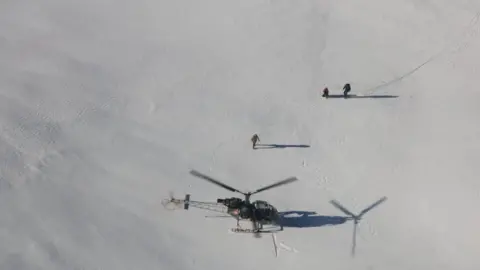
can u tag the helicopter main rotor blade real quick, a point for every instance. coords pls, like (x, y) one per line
(342, 208)
(373, 205)
(211, 180)
(279, 183)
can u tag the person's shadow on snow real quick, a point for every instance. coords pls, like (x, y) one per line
(281, 146)
(353, 96)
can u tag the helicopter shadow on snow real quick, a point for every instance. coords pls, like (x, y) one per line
(306, 219)
(272, 146)
(362, 96)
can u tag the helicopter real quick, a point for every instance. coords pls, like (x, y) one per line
(261, 213)
(258, 212)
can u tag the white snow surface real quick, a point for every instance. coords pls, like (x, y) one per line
(106, 105)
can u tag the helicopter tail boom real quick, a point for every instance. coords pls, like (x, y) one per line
(173, 204)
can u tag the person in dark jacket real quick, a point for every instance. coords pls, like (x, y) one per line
(255, 139)
(346, 90)
(325, 92)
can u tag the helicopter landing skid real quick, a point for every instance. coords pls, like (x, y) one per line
(267, 230)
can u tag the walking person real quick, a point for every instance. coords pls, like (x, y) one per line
(255, 139)
(346, 90)
(325, 92)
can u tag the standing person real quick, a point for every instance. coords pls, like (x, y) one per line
(325, 92)
(346, 90)
(255, 139)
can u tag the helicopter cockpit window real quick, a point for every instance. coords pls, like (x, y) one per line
(261, 205)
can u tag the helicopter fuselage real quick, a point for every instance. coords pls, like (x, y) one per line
(261, 211)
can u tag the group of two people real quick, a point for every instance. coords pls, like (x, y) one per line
(346, 90)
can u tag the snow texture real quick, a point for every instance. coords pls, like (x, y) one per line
(106, 105)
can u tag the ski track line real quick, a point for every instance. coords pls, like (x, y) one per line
(468, 29)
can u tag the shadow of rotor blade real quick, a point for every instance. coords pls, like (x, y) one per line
(279, 183)
(269, 146)
(341, 208)
(211, 180)
(354, 240)
(375, 204)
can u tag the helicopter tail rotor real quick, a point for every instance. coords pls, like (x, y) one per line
(172, 203)
(186, 202)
